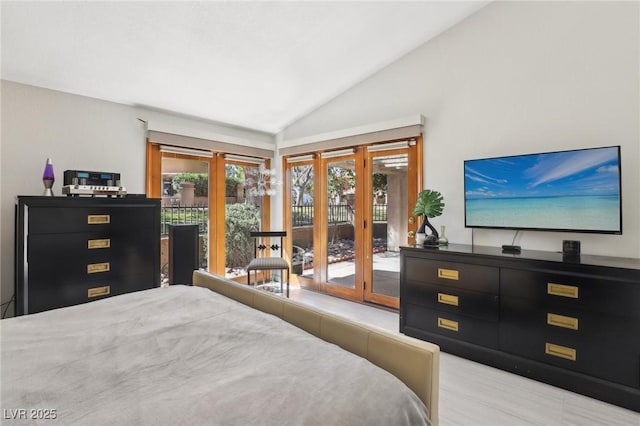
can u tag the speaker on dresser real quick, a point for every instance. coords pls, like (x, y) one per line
(183, 253)
(571, 251)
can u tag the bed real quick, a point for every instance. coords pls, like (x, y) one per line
(190, 355)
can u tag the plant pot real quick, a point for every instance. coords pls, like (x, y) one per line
(431, 240)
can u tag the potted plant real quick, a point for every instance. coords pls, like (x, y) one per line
(429, 205)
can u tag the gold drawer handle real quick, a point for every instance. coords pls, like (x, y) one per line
(562, 321)
(560, 351)
(98, 219)
(99, 244)
(94, 268)
(448, 324)
(448, 299)
(448, 274)
(98, 291)
(562, 290)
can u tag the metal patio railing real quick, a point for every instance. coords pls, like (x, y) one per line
(337, 213)
(178, 215)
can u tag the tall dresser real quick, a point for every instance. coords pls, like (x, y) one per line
(72, 250)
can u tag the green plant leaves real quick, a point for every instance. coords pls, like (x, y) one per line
(241, 219)
(430, 203)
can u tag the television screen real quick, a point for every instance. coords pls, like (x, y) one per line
(575, 191)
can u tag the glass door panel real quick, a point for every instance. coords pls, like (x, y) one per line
(340, 224)
(185, 200)
(302, 219)
(389, 219)
(243, 214)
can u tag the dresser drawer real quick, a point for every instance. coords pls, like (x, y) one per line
(84, 246)
(452, 274)
(134, 260)
(57, 293)
(587, 342)
(461, 327)
(76, 246)
(455, 300)
(121, 220)
(556, 290)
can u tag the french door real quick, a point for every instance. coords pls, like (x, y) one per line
(391, 187)
(211, 189)
(342, 223)
(350, 211)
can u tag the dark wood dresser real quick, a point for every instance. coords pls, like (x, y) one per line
(569, 322)
(71, 250)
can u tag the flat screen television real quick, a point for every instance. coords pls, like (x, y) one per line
(569, 191)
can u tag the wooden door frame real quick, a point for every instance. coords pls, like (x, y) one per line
(217, 192)
(356, 293)
(154, 190)
(287, 219)
(414, 181)
(363, 250)
(221, 213)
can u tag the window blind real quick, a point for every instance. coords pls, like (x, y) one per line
(317, 143)
(208, 145)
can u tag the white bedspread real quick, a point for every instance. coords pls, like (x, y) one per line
(188, 356)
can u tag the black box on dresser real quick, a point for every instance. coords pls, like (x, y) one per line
(572, 324)
(71, 250)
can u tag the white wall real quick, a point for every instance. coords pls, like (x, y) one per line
(77, 133)
(516, 77)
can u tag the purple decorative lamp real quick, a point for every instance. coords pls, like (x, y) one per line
(48, 178)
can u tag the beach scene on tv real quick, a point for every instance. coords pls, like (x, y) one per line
(570, 190)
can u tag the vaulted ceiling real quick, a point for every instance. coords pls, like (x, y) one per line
(258, 65)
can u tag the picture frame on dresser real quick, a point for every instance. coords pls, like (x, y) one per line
(72, 250)
(569, 324)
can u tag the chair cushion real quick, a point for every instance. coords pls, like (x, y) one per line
(268, 263)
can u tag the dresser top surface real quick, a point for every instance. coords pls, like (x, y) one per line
(532, 255)
(36, 200)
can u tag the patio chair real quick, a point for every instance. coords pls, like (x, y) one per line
(268, 256)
